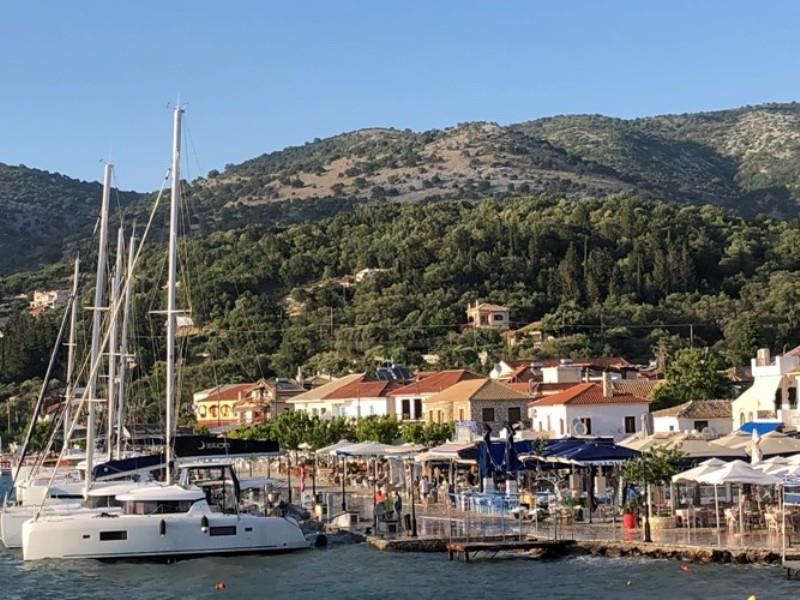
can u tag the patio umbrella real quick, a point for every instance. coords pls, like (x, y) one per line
(734, 440)
(712, 464)
(329, 450)
(775, 442)
(755, 452)
(739, 472)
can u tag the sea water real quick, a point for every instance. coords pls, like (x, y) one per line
(361, 572)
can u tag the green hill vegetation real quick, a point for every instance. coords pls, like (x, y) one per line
(617, 275)
(746, 159)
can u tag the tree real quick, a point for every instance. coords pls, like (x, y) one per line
(384, 429)
(654, 467)
(692, 374)
(741, 339)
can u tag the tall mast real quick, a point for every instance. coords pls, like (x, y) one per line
(123, 349)
(71, 347)
(99, 293)
(112, 344)
(171, 283)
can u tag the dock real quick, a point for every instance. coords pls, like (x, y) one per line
(549, 548)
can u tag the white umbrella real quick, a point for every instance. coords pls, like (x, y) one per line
(712, 464)
(330, 449)
(739, 472)
(755, 452)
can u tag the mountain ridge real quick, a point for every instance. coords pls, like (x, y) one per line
(745, 159)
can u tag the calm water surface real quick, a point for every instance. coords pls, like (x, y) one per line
(359, 572)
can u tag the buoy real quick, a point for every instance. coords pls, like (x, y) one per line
(753, 597)
(628, 582)
(220, 586)
(204, 524)
(685, 568)
(321, 541)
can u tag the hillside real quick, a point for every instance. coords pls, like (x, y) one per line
(44, 213)
(745, 159)
(269, 301)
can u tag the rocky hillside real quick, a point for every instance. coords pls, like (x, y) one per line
(746, 159)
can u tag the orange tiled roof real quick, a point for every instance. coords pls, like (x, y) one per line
(436, 382)
(363, 389)
(587, 393)
(228, 392)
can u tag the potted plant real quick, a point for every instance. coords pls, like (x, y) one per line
(654, 467)
(629, 515)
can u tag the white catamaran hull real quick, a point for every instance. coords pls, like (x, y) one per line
(13, 517)
(158, 536)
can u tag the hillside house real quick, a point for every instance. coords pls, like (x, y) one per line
(563, 369)
(352, 396)
(47, 300)
(589, 409)
(478, 400)
(409, 399)
(265, 400)
(532, 332)
(215, 407)
(773, 395)
(710, 416)
(485, 315)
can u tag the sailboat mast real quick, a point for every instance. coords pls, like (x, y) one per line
(123, 349)
(112, 344)
(71, 347)
(171, 283)
(99, 293)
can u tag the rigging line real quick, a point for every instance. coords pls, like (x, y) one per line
(94, 370)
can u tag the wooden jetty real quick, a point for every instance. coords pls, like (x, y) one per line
(548, 547)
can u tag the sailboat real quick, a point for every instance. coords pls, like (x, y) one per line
(202, 512)
(66, 490)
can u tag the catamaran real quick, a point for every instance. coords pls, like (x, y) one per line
(202, 512)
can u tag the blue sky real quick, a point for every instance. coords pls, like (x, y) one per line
(84, 81)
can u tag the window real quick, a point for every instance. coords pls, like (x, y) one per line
(700, 425)
(460, 414)
(227, 530)
(438, 416)
(792, 398)
(418, 408)
(514, 414)
(487, 415)
(149, 507)
(201, 411)
(499, 317)
(630, 424)
(561, 426)
(430, 416)
(405, 411)
(110, 536)
(587, 422)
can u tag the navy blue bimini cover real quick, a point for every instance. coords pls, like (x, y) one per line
(127, 466)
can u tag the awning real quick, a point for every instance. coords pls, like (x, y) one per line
(762, 427)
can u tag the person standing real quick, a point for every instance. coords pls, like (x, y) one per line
(424, 490)
(398, 505)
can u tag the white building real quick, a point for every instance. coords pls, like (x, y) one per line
(711, 416)
(352, 396)
(589, 409)
(773, 395)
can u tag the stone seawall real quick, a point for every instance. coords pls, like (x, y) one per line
(611, 549)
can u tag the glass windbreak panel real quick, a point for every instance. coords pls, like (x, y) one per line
(154, 507)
